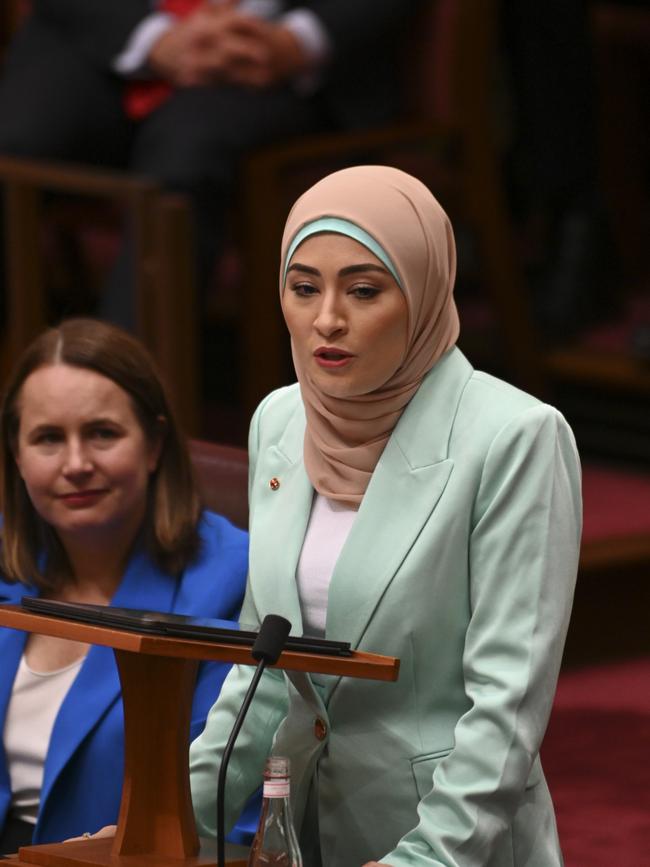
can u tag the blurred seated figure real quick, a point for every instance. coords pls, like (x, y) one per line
(180, 90)
(99, 506)
(568, 246)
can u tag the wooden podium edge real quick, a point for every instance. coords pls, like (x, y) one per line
(369, 666)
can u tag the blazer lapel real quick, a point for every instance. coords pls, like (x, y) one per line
(380, 539)
(404, 490)
(97, 686)
(12, 644)
(278, 524)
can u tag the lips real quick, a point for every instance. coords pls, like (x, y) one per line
(80, 499)
(332, 353)
(332, 358)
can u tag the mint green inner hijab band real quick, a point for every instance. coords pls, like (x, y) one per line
(340, 227)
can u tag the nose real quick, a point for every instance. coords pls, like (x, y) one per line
(77, 461)
(330, 317)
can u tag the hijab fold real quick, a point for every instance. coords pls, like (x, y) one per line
(345, 437)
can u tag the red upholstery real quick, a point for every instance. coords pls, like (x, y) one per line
(617, 503)
(222, 476)
(616, 518)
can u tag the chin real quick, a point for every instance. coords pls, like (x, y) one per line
(336, 389)
(80, 528)
(332, 384)
(81, 523)
(343, 390)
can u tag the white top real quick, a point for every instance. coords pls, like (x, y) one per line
(330, 523)
(33, 707)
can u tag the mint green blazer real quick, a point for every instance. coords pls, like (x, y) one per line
(461, 562)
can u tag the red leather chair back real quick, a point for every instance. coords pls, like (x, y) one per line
(222, 477)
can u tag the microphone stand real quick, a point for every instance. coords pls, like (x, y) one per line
(266, 649)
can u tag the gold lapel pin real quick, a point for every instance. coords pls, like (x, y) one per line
(274, 484)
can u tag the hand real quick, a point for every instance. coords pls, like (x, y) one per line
(184, 54)
(278, 58)
(106, 831)
(218, 44)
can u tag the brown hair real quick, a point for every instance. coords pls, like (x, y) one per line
(170, 529)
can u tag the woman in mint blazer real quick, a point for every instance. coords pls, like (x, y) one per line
(454, 513)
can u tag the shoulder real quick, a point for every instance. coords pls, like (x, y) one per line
(274, 414)
(501, 433)
(458, 412)
(492, 409)
(279, 405)
(10, 591)
(221, 542)
(465, 415)
(213, 584)
(496, 398)
(13, 591)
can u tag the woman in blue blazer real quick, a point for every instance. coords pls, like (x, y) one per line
(99, 506)
(413, 506)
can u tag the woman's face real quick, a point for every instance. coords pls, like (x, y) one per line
(83, 455)
(347, 317)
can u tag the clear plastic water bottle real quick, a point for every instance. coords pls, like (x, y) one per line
(275, 842)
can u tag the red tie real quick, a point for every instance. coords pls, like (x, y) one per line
(142, 97)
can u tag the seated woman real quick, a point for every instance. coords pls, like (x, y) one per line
(407, 503)
(99, 506)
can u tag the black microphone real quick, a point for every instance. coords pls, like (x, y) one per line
(271, 639)
(266, 650)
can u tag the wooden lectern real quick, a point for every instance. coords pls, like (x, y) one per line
(156, 823)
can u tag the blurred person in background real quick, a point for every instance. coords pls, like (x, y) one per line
(180, 90)
(567, 242)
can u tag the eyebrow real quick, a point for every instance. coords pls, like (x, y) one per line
(50, 425)
(349, 269)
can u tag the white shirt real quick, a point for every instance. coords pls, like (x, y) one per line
(35, 701)
(330, 523)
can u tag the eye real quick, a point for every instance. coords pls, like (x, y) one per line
(364, 291)
(104, 434)
(48, 438)
(303, 290)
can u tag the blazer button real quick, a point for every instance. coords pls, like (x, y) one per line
(320, 729)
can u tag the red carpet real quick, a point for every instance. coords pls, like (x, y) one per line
(596, 756)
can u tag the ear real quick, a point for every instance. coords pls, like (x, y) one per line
(156, 444)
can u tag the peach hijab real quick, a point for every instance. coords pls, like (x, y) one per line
(405, 227)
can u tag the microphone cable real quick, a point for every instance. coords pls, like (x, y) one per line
(266, 650)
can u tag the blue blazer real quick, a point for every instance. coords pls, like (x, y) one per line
(83, 772)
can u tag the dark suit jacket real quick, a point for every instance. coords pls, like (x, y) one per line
(360, 85)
